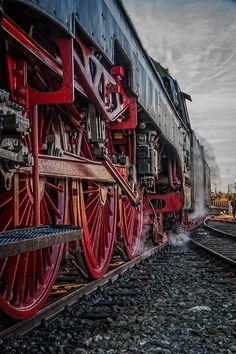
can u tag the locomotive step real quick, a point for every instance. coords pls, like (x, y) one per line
(30, 239)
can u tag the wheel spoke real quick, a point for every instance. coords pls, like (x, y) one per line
(131, 235)
(28, 217)
(6, 219)
(3, 263)
(98, 218)
(95, 230)
(23, 200)
(92, 190)
(109, 208)
(94, 211)
(25, 208)
(21, 279)
(10, 277)
(6, 199)
(46, 215)
(51, 205)
(102, 248)
(91, 200)
(106, 227)
(132, 226)
(39, 269)
(31, 275)
(42, 215)
(47, 255)
(53, 187)
(129, 212)
(97, 235)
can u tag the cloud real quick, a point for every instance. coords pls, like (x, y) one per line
(196, 40)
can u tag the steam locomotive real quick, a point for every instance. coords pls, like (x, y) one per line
(95, 145)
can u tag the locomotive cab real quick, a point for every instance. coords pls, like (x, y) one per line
(170, 86)
(178, 98)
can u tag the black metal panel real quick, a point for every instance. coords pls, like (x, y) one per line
(60, 11)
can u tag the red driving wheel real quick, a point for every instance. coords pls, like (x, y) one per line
(98, 210)
(26, 279)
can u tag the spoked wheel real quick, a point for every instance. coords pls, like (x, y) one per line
(132, 226)
(26, 279)
(98, 210)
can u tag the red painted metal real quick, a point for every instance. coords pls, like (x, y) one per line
(103, 89)
(131, 121)
(20, 90)
(65, 94)
(27, 44)
(95, 210)
(16, 201)
(26, 279)
(120, 180)
(173, 201)
(70, 166)
(112, 102)
(35, 145)
(132, 226)
(92, 194)
(118, 72)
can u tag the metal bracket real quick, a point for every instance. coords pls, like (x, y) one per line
(96, 132)
(103, 89)
(107, 163)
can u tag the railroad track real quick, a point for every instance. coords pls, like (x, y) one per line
(213, 236)
(65, 294)
(187, 307)
(218, 238)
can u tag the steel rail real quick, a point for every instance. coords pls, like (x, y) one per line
(215, 248)
(218, 255)
(53, 310)
(218, 230)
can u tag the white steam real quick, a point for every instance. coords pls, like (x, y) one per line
(179, 240)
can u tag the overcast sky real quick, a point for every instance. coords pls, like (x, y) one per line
(196, 41)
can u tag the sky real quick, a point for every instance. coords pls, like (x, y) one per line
(196, 41)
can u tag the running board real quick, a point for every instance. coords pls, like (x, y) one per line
(30, 239)
(107, 163)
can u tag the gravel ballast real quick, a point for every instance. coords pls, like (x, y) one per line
(177, 302)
